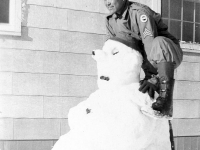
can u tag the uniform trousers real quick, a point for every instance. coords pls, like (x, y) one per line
(165, 50)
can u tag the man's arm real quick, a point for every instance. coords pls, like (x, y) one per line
(148, 31)
(147, 28)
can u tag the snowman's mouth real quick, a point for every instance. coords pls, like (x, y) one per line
(104, 78)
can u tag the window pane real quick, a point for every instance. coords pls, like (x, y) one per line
(175, 9)
(175, 28)
(165, 21)
(187, 31)
(165, 8)
(188, 11)
(197, 33)
(4, 11)
(197, 12)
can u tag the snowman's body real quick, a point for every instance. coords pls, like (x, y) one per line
(111, 118)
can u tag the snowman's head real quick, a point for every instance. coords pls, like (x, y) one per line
(118, 64)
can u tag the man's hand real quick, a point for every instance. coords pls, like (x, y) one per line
(150, 86)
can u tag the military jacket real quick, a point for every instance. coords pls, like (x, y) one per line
(138, 24)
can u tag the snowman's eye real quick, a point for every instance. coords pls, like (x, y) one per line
(115, 53)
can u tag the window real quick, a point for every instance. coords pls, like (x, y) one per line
(182, 18)
(10, 17)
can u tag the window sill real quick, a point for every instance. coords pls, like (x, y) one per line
(190, 47)
(13, 33)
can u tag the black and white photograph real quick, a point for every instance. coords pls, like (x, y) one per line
(99, 74)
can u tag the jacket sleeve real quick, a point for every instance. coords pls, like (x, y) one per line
(147, 28)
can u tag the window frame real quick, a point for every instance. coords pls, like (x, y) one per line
(14, 25)
(182, 21)
(156, 6)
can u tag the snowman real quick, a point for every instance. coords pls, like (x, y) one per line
(113, 118)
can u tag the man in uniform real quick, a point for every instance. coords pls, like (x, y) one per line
(143, 28)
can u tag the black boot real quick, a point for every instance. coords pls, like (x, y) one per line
(164, 103)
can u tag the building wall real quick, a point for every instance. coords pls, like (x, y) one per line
(49, 69)
(186, 123)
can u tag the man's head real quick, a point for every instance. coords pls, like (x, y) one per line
(115, 6)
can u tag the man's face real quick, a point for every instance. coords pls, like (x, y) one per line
(114, 6)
